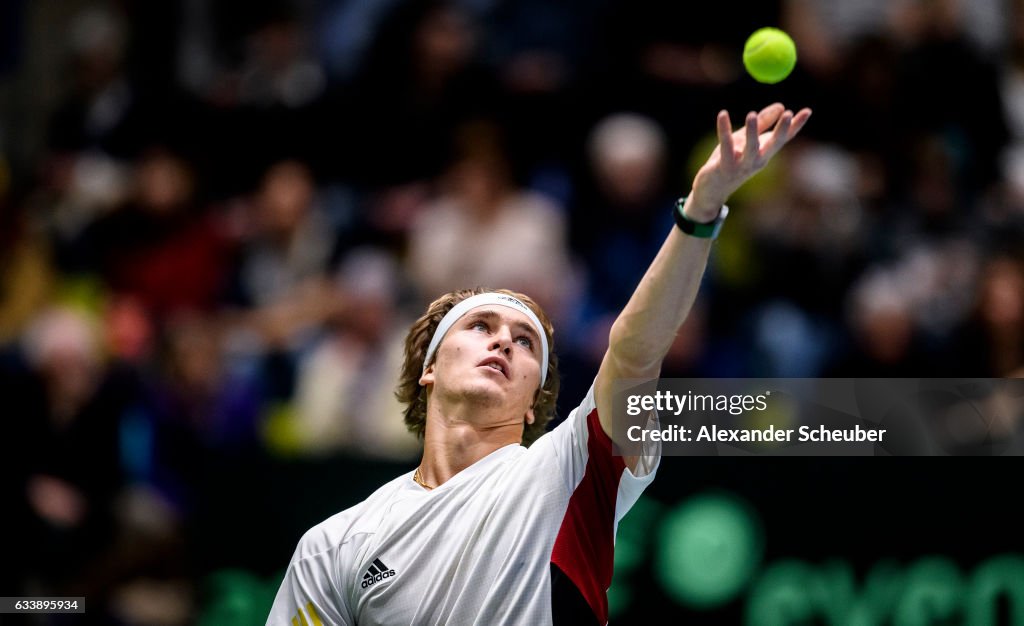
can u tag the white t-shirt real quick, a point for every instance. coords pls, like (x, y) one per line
(522, 536)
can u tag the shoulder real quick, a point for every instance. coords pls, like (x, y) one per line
(583, 414)
(330, 534)
(572, 433)
(342, 528)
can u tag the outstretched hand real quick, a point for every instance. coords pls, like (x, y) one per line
(741, 154)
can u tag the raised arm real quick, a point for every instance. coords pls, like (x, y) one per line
(647, 326)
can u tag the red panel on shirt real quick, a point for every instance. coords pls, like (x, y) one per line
(585, 546)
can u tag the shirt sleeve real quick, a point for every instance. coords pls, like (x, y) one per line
(308, 595)
(581, 445)
(600, 489)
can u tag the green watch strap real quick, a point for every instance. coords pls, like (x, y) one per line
(708, 230)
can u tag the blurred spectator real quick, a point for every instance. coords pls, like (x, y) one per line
(970, 131)
(420, 80)
(620, 218)
(788, 341)
(938, 278)
(279, 90)
(991, 340)
(263, 57)
(207, 404)
(345, 392)
(65, 406)
(160, 247)
(278, 69)
(77, 190)
(291, 241)
(129, 331)
(812, 231)
(884, 340)
(538, 50)
(282, 271)
(245, 75)
(97, 112)
(483, 230)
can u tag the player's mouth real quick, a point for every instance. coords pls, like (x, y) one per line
(497, 364)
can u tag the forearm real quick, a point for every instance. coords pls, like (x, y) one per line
(645, 330)
(647, 326)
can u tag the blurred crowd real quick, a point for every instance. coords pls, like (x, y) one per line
(218, 219)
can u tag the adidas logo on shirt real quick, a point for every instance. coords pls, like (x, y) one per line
(376, 573)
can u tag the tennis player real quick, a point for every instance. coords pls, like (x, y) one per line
(486, 530)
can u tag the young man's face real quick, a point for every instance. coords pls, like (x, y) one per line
(490, 356)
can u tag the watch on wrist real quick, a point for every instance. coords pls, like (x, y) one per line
(704, 230)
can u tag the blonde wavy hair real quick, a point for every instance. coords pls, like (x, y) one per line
(414, 395)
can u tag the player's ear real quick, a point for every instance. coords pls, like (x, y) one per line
(427, 378)
(530, 415)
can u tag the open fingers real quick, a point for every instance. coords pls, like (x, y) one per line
(779, 136)
(787, 128)
(767, 116)
(799, 120)
(751, 147)
(726, 146)
(775, 122)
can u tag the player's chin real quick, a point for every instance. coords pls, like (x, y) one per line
(485, 388)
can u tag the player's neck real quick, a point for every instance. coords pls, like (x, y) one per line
(451, 444)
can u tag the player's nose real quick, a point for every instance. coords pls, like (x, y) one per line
(502, 339)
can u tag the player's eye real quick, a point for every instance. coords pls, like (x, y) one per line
(526, 342)
(478, 326)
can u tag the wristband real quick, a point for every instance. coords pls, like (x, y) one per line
(708, 230)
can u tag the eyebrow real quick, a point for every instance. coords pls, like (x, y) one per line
(490, 315)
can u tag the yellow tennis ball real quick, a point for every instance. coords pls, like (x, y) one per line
(769, 55)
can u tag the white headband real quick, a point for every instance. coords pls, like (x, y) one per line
(482, 299)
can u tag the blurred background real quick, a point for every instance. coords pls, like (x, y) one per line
(218, 219)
